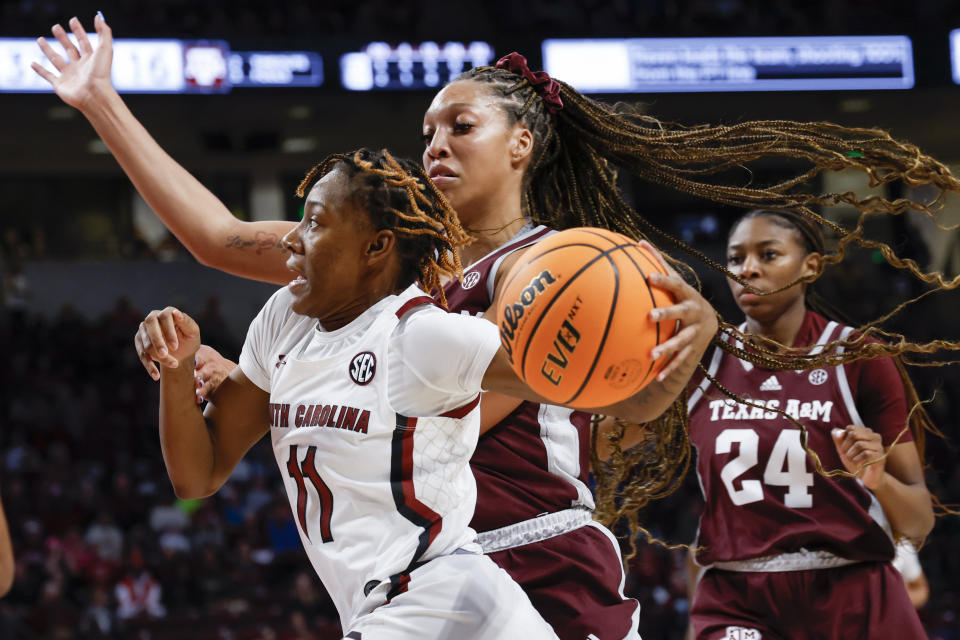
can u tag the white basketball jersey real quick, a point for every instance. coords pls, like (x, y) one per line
(373, 492)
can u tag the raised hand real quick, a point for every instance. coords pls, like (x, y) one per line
(86, 70)
(209, 371)
(698, 320)
(169, 337)
(857, 446)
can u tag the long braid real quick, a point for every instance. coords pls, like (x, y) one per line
(399, 196)
(571, 181)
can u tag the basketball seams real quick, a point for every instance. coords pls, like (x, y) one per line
(557, 294)
(517, 268)
(606, 330)
(609, 339)
(648, 258)
(653, 302)
(605, 236)
(605, 253)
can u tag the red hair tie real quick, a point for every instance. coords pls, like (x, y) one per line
(543, 84)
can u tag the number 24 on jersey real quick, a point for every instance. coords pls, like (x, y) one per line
(787, 467)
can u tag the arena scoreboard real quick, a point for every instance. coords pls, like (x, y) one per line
(955, 54)
(170, 66)
(425, 65)
(805, 63)
(611, 65)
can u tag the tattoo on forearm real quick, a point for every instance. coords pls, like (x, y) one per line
(260, 242)
(672, 385)
(676, 381)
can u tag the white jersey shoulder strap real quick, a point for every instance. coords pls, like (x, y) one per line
(845, 392)
(712, 369)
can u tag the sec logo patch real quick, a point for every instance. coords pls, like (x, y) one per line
(363, 366)
(470, 280)
(817, 376)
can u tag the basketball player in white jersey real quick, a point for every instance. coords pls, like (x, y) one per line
(372, 428)
(370, 393)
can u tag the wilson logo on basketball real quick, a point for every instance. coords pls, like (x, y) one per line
(514, 312)
(470, 280)
(363, 367)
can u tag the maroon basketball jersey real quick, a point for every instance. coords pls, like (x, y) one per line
(762, 493)
(537, 459)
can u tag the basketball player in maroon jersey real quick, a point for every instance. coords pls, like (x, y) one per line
(7, 564)
(785, 552)
(481, 139)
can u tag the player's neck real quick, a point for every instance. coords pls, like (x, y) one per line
(499, 220)
(784, 328)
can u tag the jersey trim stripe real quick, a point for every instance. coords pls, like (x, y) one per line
(845, 385)
(525, 240)
(561, 442)
(747, 365)
(413, 303)
(462, 411)
(875, 509)
(632, 633)
(401, 485)
(702, 388)
(824, 338)
(399, 583)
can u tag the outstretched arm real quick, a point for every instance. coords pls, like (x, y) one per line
(195, 216)
(200, 450)
(6, 555)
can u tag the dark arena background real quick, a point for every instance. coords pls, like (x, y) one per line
(255, 94)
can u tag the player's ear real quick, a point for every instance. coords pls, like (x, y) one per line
(811, 264)
(521, 144)
(381, 246)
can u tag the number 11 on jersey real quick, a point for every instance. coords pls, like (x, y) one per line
(309, 470)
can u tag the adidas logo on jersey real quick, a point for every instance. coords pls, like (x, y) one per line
(771, 384)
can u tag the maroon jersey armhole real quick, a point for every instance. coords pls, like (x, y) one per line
(462, 411)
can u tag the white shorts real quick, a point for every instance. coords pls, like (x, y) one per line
(460, 597)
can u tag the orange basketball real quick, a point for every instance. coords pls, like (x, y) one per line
(574, 317)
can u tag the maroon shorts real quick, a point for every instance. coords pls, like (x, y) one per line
(859, 601)
(575, 581)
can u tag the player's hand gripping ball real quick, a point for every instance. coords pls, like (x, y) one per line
(574, 317)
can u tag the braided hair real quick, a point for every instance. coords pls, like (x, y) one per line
(399, 196)
(812, 240)
(571, 181)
